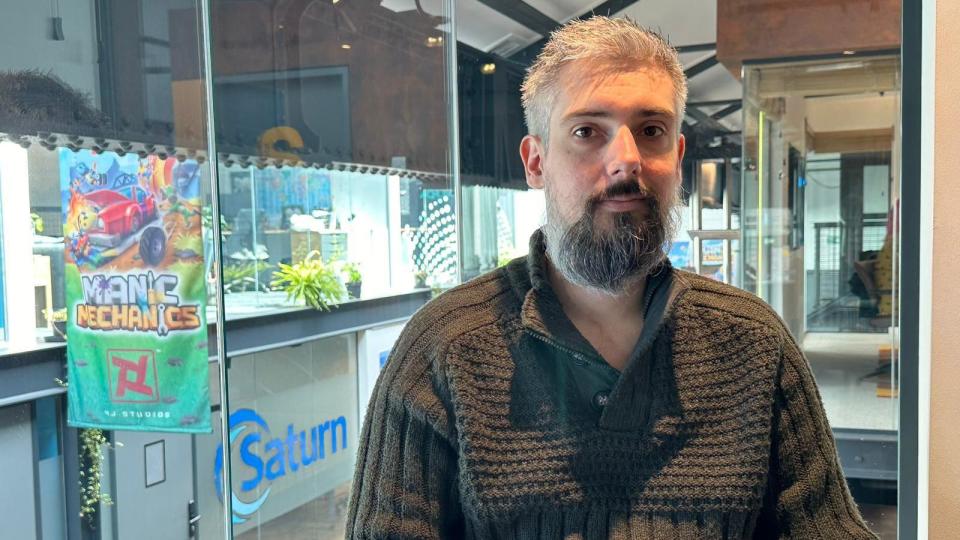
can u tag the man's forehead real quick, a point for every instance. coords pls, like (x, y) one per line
(582, 86)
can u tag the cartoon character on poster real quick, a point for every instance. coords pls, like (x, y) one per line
(135, 287)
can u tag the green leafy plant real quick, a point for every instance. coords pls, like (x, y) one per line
(206, 219)
(93, 442)
(311, 281)
(420, 278)
(243, 276)
(37, 222)
(352, 273)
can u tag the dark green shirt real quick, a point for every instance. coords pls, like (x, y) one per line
(573, 363)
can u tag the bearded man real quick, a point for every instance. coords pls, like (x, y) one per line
(589, 390)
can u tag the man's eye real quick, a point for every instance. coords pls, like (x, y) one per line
(653, 131)
(583, 132)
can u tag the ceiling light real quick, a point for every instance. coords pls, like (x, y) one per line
(488, 69)
(840, 66)
(345, 46)
(849, 52)
(434, 41)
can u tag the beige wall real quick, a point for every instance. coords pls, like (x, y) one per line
(944, 494)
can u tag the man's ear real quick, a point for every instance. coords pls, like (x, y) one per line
(531, 153)
(681, 148)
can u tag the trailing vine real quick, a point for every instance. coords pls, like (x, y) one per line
(92, 444)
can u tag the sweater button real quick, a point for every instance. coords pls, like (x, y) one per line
(600, 399)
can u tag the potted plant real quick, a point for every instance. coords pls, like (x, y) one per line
(311, 281)
(353, 279)
(58, 322)
(420, 279)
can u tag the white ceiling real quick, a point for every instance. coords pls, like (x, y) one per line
(851, 113)
(682, 22)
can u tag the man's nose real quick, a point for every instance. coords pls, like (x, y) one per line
(623, 156)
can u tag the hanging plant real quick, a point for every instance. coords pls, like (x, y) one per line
(93, 442)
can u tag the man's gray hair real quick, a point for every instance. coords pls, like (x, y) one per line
(611, 44)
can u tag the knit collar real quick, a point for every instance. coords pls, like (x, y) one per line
(542, 313)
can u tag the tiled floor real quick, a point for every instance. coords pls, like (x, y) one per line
(841, 363)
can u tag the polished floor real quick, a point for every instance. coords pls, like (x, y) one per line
(882, 519)
(323, 519)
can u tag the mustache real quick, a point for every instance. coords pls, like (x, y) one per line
(618, 190)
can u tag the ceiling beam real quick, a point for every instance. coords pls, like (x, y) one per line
(529, 53)
(524, 14)
(609, 8)
(696, 47)
(714, 103)
(701, 66)
(706, 122)
(727, 111)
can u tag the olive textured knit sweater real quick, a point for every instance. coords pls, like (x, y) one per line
(715, 428)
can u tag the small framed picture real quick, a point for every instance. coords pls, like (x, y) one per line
(154, 463)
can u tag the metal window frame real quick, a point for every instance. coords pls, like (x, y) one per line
(911, 43)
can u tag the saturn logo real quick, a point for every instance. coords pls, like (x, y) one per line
(279, 456)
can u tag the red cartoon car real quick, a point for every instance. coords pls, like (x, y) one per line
(120, 213)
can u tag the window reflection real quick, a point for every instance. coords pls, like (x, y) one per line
(821, 222)
(332, 134)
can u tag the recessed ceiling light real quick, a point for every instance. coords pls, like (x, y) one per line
(345, 46)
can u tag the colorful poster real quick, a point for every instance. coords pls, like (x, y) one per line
(135, 293)
(711, 252)
(290, 190)
(680, 254)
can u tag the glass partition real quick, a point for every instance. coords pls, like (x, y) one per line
(821, 241)
(821, 222)
(333, 147)
(294, 426)
(499, 211)
(332, 134)
(102, 168)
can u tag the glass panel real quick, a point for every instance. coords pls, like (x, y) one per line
(333, 154)
(48, 441)
(295, 420)
(821, 234)
(17, 500)
(499, 212)
(498, 223)
(332, 134)
(105, 96)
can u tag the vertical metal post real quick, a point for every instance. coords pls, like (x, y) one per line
(916, 124)
(207, 53)
(696, 210)
(727, 243)
(760, 165)
(453, 128)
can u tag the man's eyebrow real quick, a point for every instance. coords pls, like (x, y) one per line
(601, 113)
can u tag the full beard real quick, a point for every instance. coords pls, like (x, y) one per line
(611, 261)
